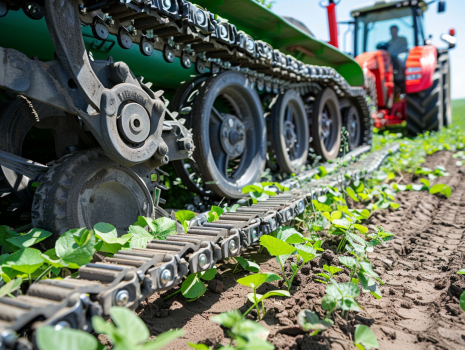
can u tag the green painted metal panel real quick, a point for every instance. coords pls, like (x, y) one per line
(263, 24)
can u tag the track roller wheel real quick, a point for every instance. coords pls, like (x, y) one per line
(86, 188)
(229, 134)
(290, 132)
(186, 169)
(353, 124)
(326, 125)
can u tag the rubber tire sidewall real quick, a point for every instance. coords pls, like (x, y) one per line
(201, 126)
(326, 96)
(278, 141)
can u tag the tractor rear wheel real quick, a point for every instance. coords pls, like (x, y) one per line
(326, 125)
(229, 134)
(425, 108)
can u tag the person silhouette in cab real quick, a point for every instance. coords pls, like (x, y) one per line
(397, 44)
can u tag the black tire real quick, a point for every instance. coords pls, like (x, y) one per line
(290, 132)
(244, 107)
(186, 169)
(425, 108)
(326, 125)
(446, 101)
(85, 188)
(353, 124)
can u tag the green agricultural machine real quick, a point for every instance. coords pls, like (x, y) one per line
(97, 95)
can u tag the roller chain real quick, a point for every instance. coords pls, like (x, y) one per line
(131, 276)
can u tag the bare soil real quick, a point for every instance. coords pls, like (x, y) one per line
(420, 305)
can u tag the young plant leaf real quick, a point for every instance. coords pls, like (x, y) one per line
(442, 189)
(309, 321)
(25, 260)
(192, 287)
(351, 193)
(48, 338)
(364, 336)
(276, 246)
(256, 280)
(247, 265)
(462, 300)
(214, 213)
(75, 248)
(10, 287)
(29, 239)
(140, 237)
(164, 227)
(109, 236)
(208, 275)
(144, 222)
(184, 216)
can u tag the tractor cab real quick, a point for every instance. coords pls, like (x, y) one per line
(391, 45)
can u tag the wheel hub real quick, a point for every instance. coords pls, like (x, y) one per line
(289, 134)
(352, 127)
(233, 137)
(325, 125)
(134, 123)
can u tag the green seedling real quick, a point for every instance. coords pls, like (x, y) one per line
(247, 334)
(441, 189)
(129, 331)
(247, 264)
(184, 216)
(10, 287)
(262, 191)
(310, 322)
(29, 239)
(255, 281)
(432, 174)
(364, 338)
(109, 242)
(283, 249)
(340, 296)
(331, 271)
(364, 271)
(159, 228)
(214, 213)
(193, 288)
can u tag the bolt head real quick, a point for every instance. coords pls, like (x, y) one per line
(254, 234)
(122, 297)
(200, 17)
(250, 44)
(232, 245)
(166, 4)
(230, 123)
(62, 324)
(166, 276)
(203, 261)
(223, 32)
(238, 149)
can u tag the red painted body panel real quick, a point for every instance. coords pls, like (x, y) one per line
(394, 116)
(379, 63)
(425, 59)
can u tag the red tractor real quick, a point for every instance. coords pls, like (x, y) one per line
(409, 77)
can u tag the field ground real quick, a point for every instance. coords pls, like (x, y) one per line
(420, 305)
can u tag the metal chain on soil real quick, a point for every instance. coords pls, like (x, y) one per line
(131, 276)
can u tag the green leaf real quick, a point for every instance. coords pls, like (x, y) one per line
(6, 233)
(164, 227)
(306, 252)
(108, 234)
(332, 269)
(140, 237)
(274, 293)
(351, 194)
(290, 235)
(341, 290)
(34, 236)
(369, 284)
(328, 303)
(425, 182)
(48, 338)
(143, 221)
(163, 339)
(323, 171)
(364, 336)
(193, 287)
(461, 272)
(25, 260)
(130, 327)
(208, 275)
(320, 206)
(442, 189)
(228, 319)
(367, 269)
(309, 321)
(336, 215)
(275, 246)
(247, 265)
(214, 213)
(184, 216)
(361, 228)
(256, 280)
(252, 188)
(73, 254)
(198, 346)
(10, 287)
(259, 196)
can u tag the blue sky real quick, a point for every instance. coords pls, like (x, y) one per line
(315, 18)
